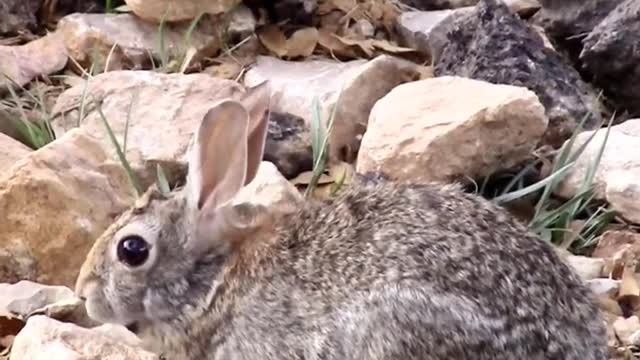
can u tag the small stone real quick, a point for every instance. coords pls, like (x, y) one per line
(270, 189)
(523, 7)
(586, 267)
(43, 337)
(88, 37)
(56, 201)
(364, 28)
(617, 177)
(155, 11)
(24, 63)
(24, 297)
(358, 84)
(625, 328)
(420, 131)
(242, 23)
(495, 45)
(10, 152)
(612, 52)
(604, 287)
(288, 144)
(613, 245)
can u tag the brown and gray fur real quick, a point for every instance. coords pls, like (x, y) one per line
(383, 271)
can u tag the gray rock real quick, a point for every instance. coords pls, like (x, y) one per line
(612, 54)
(18, 15)
(438, 4)
(565, 18)
(495, 45)
(288, 144)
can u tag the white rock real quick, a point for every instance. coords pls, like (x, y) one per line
(586, 267)
(10, 152)
(269, 188)
(617, 178)
(175, 10)
(44, 196)
(604, 286)
(422, 131)
(136, 40)
(165, 111)
(45, 338)
(294, 85)
(626, 328)
(23, 297)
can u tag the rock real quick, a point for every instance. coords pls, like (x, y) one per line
(43, 337)
(625, 328)
(586, 267)
(18, 15)
(612, 52)
(269, 188)
(618, 245)
(137, 40)
(24, 63)
(55, 202)
(604, 287)
(420, 131)
(438, 4)
(295, 84)
(242, 23)
(562, 19)
(427, 30)
(617, 178)
(288, 144)
(496, 46)
(24, 297)
(164, 111)
(523, 7)
(155, 11)
(10, 152)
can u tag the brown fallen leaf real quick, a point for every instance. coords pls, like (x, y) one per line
(273, 39)
(629, 285)
(229, 70)
(302, 42)
(334, 46)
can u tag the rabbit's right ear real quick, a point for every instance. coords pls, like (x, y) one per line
(218, 162)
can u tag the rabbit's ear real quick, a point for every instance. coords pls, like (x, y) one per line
(256, 100)
(218, 163)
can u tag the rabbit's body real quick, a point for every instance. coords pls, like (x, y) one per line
(383, 271)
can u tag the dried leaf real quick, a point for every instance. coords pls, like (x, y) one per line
(227, 70)
(392, 48)
(302, 42)
(305, 178)
(273, 39)
(329, 41)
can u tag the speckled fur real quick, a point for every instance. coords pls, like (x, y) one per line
(384, 271)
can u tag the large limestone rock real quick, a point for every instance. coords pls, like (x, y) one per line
(612, 54)
(421, 131)
(45, 338)
(617, 178)
(176, 10)
(163, 111)
(10, 152)
(90, 37)
(54, 203)
(495, 45)
(358, 83)
(24, 63)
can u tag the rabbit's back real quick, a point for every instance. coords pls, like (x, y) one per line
(411, 272)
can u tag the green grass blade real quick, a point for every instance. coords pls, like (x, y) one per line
(533, 187)
(123, 159)
(161, 179)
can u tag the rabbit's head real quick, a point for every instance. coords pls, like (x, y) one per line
(166, 254)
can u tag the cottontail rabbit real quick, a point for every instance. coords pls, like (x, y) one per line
(382, 271)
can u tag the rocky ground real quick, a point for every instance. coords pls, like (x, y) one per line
(534, 104)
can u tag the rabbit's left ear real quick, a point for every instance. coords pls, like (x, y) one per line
(256, 100)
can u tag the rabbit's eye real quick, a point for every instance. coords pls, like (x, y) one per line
(133, 250)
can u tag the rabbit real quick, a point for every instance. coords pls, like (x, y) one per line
(383, 270)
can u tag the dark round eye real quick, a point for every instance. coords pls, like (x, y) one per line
(133, 250)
